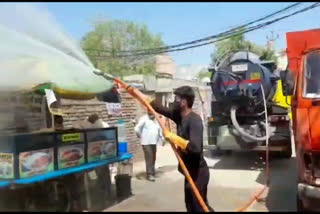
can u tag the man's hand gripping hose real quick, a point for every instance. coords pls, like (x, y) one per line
(171, 137)
(179, 141)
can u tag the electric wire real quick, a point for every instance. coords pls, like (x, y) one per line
(228, 32)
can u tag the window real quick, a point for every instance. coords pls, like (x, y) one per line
(312, 75)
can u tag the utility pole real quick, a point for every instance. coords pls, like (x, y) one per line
(271, 40)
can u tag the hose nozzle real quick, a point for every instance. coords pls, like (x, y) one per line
(100, 73)
(97, 71)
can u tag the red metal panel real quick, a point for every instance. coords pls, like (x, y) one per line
(302, 129)
(300, 42)
(314, 120)
(306, 118)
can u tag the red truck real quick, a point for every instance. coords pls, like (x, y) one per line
(302, 80)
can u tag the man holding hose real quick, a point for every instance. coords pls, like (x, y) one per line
(189, 127)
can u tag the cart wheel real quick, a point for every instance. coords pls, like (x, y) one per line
(53, 197)
(62, 196)
(29, 205)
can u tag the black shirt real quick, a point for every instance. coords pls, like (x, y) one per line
(191, 129)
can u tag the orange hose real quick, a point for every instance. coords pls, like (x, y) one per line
(257, 196)
(139, 96)
(253, 199)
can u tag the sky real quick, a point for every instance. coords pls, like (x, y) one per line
(180, 22)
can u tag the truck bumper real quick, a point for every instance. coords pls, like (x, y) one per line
(309, 196)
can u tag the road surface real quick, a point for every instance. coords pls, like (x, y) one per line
(233, 180)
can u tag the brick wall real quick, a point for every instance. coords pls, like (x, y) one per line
(26, 113)
(21, 113)
(76, 110)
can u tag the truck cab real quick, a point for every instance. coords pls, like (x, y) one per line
(302, 80)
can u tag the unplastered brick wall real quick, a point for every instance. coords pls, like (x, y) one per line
(21, 113)
(78, 110)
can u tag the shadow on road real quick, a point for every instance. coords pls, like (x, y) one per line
(237, 161)
(282, 190)
(159, 172)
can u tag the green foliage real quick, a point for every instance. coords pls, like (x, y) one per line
(120, 35)
(238, 42)
(203, 73)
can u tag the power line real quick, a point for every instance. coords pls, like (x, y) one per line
(248, 20)
(228, 32)
(241, 32)
(217, 35)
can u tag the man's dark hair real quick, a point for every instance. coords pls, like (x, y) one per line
(187, 93)
(93, 118)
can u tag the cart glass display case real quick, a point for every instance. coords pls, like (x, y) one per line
(39, 156)
(102, 144)
(71, 149)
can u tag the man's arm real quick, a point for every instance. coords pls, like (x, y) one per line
(196, 136)
(138, 127)
(165, 111)
(160, 135)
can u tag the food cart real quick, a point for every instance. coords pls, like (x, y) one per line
(34, 158)
(39, 171)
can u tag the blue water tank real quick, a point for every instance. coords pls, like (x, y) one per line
(122, 136)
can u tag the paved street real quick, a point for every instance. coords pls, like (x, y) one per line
(233, 180)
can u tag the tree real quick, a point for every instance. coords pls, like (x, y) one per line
(238, 42)
(203, 73)
(117, 36)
